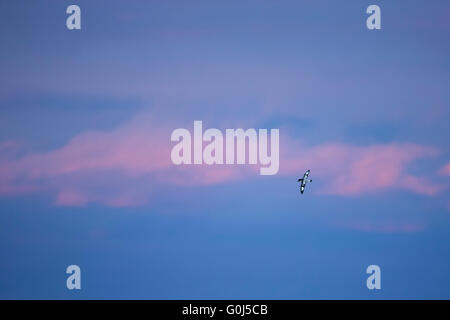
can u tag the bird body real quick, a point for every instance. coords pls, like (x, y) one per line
(303, 181)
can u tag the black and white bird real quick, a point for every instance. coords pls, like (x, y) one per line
(303, 181)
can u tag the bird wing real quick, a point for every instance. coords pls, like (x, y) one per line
(305, 176)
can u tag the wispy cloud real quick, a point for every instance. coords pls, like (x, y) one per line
(353, 170)
(445, 170)
(125, 167)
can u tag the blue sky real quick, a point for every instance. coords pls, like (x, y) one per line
(85, 171)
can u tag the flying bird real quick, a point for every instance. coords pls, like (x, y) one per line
(303, 181)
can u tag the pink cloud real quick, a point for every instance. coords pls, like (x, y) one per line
(108, 167)
(125, 166)
(131, 149)
(138, 148)
(445, 170)
(70, 198)
(420, 185)
(353, 170)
